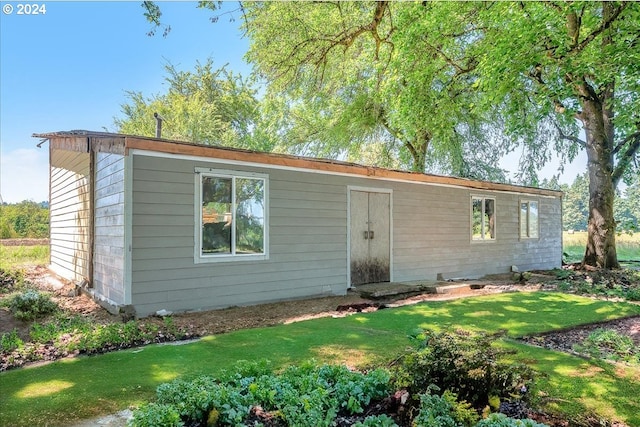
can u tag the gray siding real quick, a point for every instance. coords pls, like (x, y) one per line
(432, 234)
(109, 226)
(308, 237)
(307, 253)
(70, 214)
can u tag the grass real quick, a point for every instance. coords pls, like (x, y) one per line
(627, 246)
(66, 391)
(21, 256)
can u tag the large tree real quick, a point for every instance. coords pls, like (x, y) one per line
(373, 77)
(569, 65)
(206, 105)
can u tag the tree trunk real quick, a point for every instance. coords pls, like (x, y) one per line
(601, 238)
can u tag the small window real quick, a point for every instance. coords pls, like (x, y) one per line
(483, 218)
(528, 219)
(231, 216)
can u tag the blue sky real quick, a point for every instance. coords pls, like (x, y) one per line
(70, 68)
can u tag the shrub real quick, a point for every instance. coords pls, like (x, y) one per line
(445, 411)
(10, 341)
(464, 363)
(31, 304)
(156, 415)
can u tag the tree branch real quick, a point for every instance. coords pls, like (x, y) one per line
(606, 23)
(627, 156)
(572, 138)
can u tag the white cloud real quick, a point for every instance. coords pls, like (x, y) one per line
(24, 175)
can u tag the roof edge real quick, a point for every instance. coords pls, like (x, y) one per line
(168, 146)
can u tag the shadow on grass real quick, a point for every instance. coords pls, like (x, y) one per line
(73, 389)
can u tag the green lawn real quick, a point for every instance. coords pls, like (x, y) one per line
(69, 390)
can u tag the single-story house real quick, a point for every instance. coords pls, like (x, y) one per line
(148, 224)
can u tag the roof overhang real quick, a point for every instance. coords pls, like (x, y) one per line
(86, 141)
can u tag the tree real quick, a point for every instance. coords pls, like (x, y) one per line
(205, 105)
(627, 208)
(551, 67)
(357, 80)
(26, 219)
(575, 206)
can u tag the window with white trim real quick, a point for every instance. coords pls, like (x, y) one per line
(483, 218)
(529, 219)
(232, 211)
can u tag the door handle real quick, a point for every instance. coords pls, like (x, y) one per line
(371, 235)
(366, 235)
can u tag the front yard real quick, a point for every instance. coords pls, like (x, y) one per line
(62, 392)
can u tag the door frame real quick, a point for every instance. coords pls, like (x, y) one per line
(388, 191)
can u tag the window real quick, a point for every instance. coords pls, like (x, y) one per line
(231, 216)
(483, 218)
(528, 219)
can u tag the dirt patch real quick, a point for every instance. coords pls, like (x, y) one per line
(23, 242)
(565, 340)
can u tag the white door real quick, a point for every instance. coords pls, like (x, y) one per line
(370, 237)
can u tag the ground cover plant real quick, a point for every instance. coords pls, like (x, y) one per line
(80, 388)
(466, 366)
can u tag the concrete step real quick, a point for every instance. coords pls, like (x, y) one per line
(394, 290)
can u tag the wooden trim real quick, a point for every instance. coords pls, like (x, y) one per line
(321, 165)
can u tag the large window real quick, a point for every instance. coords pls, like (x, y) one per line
(528, 219)
(232, 216)
(483, 218)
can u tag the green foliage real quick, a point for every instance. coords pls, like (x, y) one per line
(301, 396)
(64, 334)
(501, 420)
(10, 341)
(205, 105)
(32, 304)
(464, 363)
(156, 415)
(444, 411)
(24, 220)
(610, 344)
(376, 421)
(372, 82)
(11, 280)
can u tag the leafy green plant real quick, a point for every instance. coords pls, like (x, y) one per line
(11, 280)
(464, 363)
(561, 274)
(156, 415)
(376, 421)
(610, 344)
(438, 411)
(301, 395)
(10, 341)
(633, 294)
(32, 304)
(501, 420)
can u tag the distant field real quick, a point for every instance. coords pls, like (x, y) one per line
(628, 246)
(19, 256)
